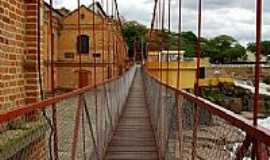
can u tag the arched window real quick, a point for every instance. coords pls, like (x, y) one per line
(83, 44)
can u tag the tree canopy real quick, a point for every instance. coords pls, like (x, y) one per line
(265, 46)
(133, 32)
(220, 49)
(223, 49)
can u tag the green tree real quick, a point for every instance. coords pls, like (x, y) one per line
(233, 53)
(133, 32)
(265, 46)
(189, 40)
(223, 49)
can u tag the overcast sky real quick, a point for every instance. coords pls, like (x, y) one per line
(232, 17)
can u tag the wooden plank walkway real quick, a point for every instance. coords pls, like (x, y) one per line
(134, 137)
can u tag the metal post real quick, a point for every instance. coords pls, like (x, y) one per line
(109, 42)
(179, 101)
(197, 109)
(95, 80)
(103, 44)
(80, 77)
(76, 128)
(256, 106)
(258, 54)
(179, 42)
(54, 110)
(38, 50)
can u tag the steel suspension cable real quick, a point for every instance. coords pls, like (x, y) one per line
(159, 33)
(168, 45)
(163, 33)
(80, 98)
(108, 69)
(52, 45)
(153, 19)
(161, 74)
(48, 80)
(79, 39)
(95, 77)
(198, 47)
(178, 99)
(103, 44)
(83, 136)
(113, 39)
(179, 42)
(198, 57)
(39, 51)
(54, 110)
(109, 41)
(166, 143)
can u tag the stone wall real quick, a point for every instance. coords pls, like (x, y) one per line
(34, 151)
(244, 72)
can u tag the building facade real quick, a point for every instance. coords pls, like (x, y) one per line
(25, 41)
(106, 56)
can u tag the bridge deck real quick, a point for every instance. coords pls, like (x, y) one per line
(134, 137)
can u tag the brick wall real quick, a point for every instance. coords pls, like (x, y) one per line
(18, 53)
(30, 66)
(12, 46)
(18, 62)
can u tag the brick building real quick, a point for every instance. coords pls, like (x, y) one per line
(19, 78)
(19, 57)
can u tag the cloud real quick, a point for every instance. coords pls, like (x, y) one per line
(232, 17)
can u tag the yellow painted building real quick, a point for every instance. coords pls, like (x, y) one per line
(187, 73)
(107, 48)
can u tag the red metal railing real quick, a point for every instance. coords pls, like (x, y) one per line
(78, 131)
(250, 141)
(220, 133)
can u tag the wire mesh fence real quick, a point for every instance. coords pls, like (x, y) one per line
(189, 127)
(76, 125)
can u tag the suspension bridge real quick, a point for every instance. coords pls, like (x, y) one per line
(134, 115)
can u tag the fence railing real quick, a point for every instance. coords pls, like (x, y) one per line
(238, 65)
(75, 125)
(189, 127)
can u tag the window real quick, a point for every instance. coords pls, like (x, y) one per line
(96, 55)
(69, 55)
(82, 16)
(83, 44)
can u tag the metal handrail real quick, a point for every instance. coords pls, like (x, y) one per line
(257, 132)
(25, 109)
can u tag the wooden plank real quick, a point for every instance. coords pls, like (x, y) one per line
(132, 149)
(134, 137)
(133, 143)
(132, 155)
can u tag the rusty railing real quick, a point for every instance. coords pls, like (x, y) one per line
(220, 133)
(75, 131)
